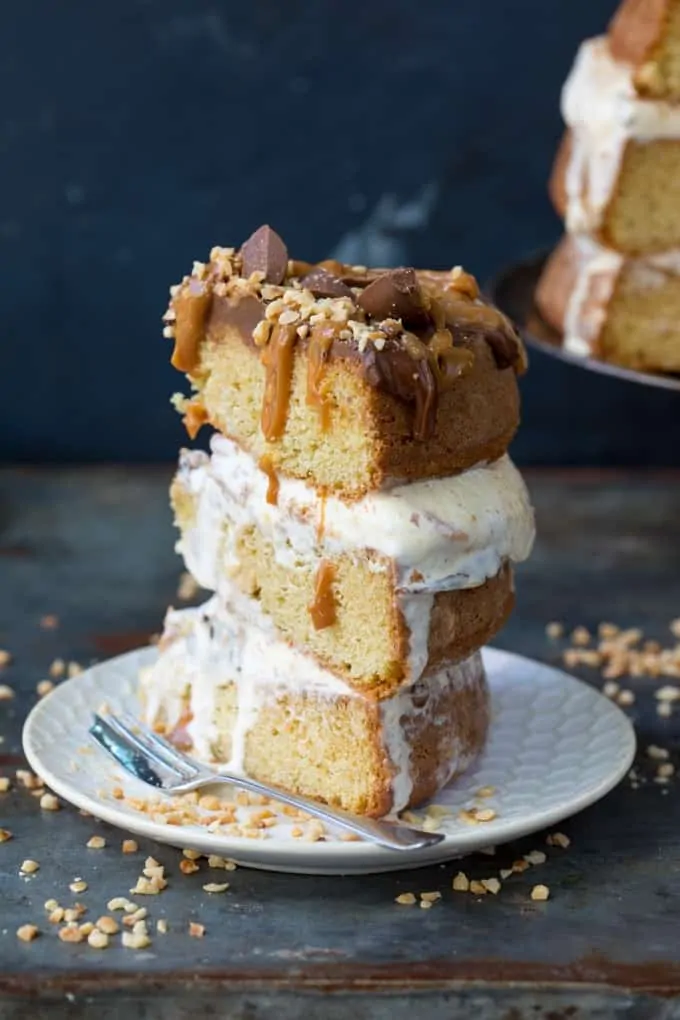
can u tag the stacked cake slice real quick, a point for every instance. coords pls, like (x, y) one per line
(357, 520)
(612, 286)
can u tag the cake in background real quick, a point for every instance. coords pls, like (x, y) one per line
(357, 520)
(612, 286)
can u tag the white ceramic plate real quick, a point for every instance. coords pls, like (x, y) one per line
(556, 745)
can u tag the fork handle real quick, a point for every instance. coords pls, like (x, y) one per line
(391, 834)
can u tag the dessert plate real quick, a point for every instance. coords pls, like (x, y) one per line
(556, 745)
(513, 291)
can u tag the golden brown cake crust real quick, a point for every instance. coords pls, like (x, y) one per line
(636, 29)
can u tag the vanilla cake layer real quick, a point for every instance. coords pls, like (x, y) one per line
(617, 174)
(241, 699)
(344, 376)
(378, 590)
(614, 308)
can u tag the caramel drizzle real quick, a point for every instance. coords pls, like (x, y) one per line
(266, 464)
(278, 358)
(191, 309)
(323, 608)
(321, 523)
(195, 417)
(317, 359)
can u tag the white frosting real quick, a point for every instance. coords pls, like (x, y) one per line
(441, 534)
(601, 106)
(597, 271)
(207, 648)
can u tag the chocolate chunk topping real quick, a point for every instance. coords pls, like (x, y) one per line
(243, 313)
(396, 372)
(505, 348)
(265, 252)
(325, 284)
(396, 295)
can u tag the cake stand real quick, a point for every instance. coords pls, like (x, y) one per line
(512, 290)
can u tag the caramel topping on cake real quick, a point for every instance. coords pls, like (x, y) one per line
(322, 609)
(195, 417)
(411, 332)
(266, 464)
(190, 306)
(277, 358)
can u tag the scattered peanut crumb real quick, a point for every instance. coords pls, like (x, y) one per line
(49, 622)
(27, 932)
(580, 636)
(406, 899)
(73, 669)
(5, 658)
(626, 698)
(476, 888)
(129, 846)
(78, 886)
(492, 885)
(87, 928)
(4, 784)
(108, 925)
(197, 931)
(540, 892)
(535, 857)
(474, 815)
(29, 867)
(426, 904)
(98, 939)
(461, 883)
(51, 904)
(666, 770)
(44, 687)
(430, 897)
(214, 861)
(48, 802)
(554, 630)
(215, 887)
(6, 692)
(485, 791)
(162, 926)
(71, 934)
(505, 873)
(675, 628)
(188, 867)
(558, 839)
(121, 903)
(657, 753)
(135, 940)
(664, 709)
(611, 689)
(187, 587)
(96, 843)
(5, 834)
(191, 855)
(57, 668)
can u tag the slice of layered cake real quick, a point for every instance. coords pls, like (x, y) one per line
(612, 288)
(357, 520)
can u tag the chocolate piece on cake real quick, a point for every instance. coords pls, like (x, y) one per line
(233, 695)
(345, 377)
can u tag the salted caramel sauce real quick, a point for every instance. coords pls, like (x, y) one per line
(318, 350)
(190, 304)
(322, 609)
(321, 523)
(266, 464)
(278, 358)
(195, 417)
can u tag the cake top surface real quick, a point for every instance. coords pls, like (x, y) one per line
(410, 329)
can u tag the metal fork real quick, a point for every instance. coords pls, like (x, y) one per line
(152, 759)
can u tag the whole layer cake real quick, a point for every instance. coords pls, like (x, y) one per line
(346, 377)
(231, 694)
(612, 307)
(380, 589)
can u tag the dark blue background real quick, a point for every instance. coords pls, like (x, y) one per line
(137, 134)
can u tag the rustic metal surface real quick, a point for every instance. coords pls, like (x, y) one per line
(94, 546)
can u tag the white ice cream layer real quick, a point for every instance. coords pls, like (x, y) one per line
(441, 534)
(601, 106)
(211, 646)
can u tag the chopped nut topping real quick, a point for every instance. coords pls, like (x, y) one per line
(581, 636)
(78, 886)
(626, 698)
(406, 899)
(5, 834)
(135, 940)
(4, 784)
(108, 925)
(191, 855)
(188, 867)
(121, 903)
(196, 930)
(657, 753)
(130, 846)
(554, 630)
(540, 892)
(49, 621)
(51, 904)
(56, 915)
(558, 839)
(535, 857)
(6, 692)
(215, 887)
(492, 885)
(73, 669)
(461, 883)
(162, 926)
(477, 889)
(5, 658)
(98, 939)
(96, 843)
(29, 867)
(430, 897)
(27, 932)
(48, 802)
(57, 668)
(44, 687)
(485, 791)
(69, 934)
